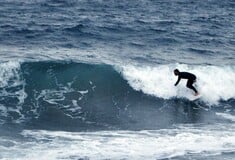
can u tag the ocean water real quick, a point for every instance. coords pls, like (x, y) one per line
(93, 79)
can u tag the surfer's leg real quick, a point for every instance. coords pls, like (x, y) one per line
(190, 85)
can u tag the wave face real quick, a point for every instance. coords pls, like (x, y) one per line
(77, 96)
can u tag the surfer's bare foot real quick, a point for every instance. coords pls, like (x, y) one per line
(196, 94)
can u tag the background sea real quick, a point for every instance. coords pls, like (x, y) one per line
(92, 79)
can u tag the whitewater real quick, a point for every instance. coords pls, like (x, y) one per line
(214, 83)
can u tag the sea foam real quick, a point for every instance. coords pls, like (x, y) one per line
(184, 140)
(12, 88)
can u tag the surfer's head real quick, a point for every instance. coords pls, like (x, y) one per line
(176, 72)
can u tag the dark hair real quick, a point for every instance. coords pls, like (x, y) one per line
(176, 70)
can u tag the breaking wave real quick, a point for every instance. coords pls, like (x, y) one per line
(215, 83)
(103, 96)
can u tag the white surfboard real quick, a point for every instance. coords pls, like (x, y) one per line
(193, 98)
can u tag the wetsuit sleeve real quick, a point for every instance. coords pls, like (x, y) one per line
(178, 80)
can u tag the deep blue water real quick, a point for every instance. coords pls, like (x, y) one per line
(92, 79)
(119, 31)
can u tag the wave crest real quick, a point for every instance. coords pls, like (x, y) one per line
(214, 83)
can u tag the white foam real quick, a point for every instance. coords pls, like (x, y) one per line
(227, 116)
(213, 82)
(10, 77)
(155, 144)
(9, 70)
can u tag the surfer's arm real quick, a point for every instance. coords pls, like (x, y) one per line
(177, 81)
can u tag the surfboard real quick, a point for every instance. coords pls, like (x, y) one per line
(193, 98)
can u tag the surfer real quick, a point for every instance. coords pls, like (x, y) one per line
(189, 76)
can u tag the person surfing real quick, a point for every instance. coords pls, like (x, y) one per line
(189, 76)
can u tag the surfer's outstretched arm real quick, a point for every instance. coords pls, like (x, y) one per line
(177, 81)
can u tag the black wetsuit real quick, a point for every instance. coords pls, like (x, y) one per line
(191, 79)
